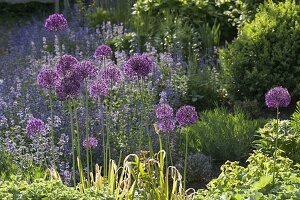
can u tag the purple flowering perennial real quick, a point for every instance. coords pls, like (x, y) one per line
(34, 126)
(68, 87)
(56, 22)
(164, 111)
(138, 66)
(47, 78)
(277, 97)
(186, 115)
(86, 69)
(103, 51)
(98, 89)
(111, 74)
(167, 125)
(67, 66)
(90, 142)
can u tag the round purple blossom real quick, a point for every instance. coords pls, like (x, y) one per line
(164, 111)
(277, 97)
(111, 74)
(98, 88)
(186, 115)
(138, 66)
(90, 142)
(66, 66)
(56, 22)
(103, 51)
(34, 126)
(167, 125)
(47, 78)
(68, 87)
(86, 69)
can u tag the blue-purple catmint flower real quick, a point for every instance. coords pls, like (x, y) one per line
(166, 125)
(138, 66)
(34, 126)
(56, 22)
(186, 115)
(103, 51)
(164, 111)
(86, 69)
(111, 74)
(98, 89)
(90, 142)
(47, 78)
(67, 66)
(277, 97)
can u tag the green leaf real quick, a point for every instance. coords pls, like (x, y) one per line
(262, 183)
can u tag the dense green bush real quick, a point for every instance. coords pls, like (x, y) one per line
(255, 180)
(223, 135)
(265, 54)
(43, 189)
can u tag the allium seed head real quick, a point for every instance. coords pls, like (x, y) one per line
(277, 97)
(186, 115)
(56, 22)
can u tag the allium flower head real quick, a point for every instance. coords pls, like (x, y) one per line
(277, 97)
(34, 126)
(138, 66)
(86, 69)
(47, 78)
(68, 87)
(66, 66)
(103, 51)
(111, 74)
(167, 125)
(90, 142)
(164, 111)
(56, 22)
(98, 88)
(186, 115)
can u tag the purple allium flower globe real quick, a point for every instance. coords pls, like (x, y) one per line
(277, 97)
(111, 74)
(103, 51)
(68, 87)
(167, 125)
(98, 89)
(90, 142)
(47, 78)
(186, 115)
(34, 126)
(56, 22)
(86, 69)
(66, 66)
(138, 66)
(164, 111)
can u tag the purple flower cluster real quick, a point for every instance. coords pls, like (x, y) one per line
(111, 74)
(165, 114)
(56, 22)
(186, 115)
(277, 97)
(164, 111)
(103, 51)
(87, 69)
(98, 89)
(90, 142)
(138, 66)
(47, 78)
(67, 66)
(166, 125)
(34, 126)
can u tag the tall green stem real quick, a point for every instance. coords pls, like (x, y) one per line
(52, 131)
(185, 158)
(169, 148)
(103, 139)
(87, 130)
(73, 140)
(276, 143)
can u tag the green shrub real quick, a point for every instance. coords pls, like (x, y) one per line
(265, 54)
(223, 135)
(255, 180)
